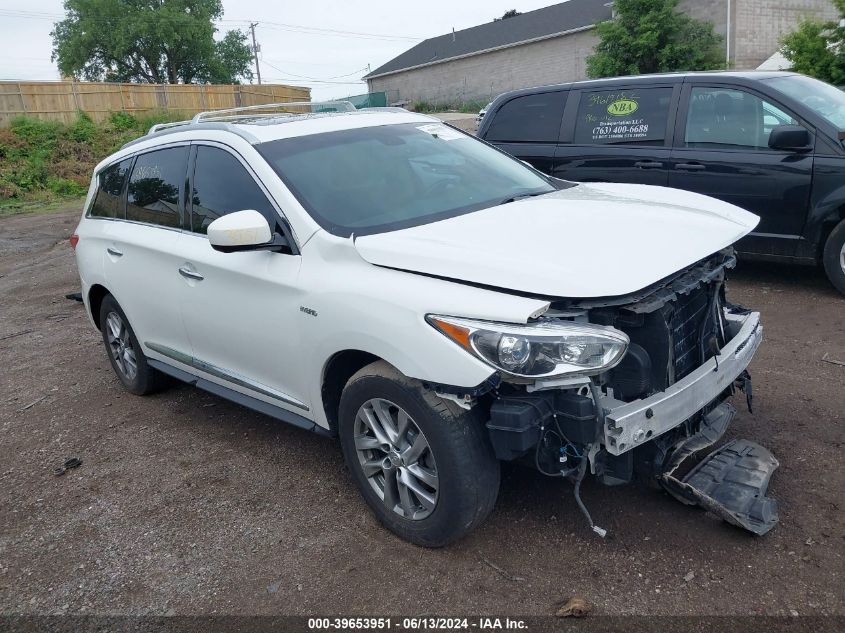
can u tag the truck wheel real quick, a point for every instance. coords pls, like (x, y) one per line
(423, 464)
(127, 359)
(834, 257)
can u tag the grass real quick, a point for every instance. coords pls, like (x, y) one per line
(43, 162)
(12, 207)
(467, 107)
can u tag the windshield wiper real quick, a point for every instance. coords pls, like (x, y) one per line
(520, 196)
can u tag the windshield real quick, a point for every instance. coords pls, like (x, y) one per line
(384, 178)
(822, 98)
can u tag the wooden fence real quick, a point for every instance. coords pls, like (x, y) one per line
(60, 100)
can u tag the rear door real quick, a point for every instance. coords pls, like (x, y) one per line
(618, 134)
(528, 127)
(141, 258)
(722, 150)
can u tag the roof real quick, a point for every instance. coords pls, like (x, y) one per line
(255, 132)
(550, 21)
(652, 78)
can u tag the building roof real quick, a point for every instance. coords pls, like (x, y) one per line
(533, 25)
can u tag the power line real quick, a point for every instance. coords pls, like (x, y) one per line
(295, 28)
(317, 81)
(268, 60)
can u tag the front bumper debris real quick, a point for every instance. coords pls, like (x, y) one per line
(629, 424)
(731, 482)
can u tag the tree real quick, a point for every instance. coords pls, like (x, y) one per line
(149, 41)
(651, 36)
(816, 48)
(507, 14)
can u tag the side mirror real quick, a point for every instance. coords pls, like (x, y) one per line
(244, 231)
(790, 138)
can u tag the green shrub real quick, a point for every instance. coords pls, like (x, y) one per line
(64, 187)
(122, 121)
(49, 160)
(83, 129)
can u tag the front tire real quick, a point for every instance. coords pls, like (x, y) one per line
(125, 354)
(423, 464)
(834, 257)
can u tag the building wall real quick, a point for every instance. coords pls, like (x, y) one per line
(759, 26)
(756, 29)
(483, 77)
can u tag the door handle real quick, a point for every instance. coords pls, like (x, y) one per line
(690, 167)
(114, 251)
(187, 273)
(648, 164)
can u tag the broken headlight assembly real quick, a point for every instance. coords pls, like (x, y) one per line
(538, 350)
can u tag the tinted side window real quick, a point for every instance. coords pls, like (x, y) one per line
(636, 117)
(154, 187)
(731, 119)
(532, 118)
(221, 185)
(108, 202)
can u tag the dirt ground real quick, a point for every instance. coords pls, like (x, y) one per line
(187, 504)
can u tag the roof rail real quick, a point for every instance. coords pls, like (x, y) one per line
(164, 126)
(273, 110)
(295, 108)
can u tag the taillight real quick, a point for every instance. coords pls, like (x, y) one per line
(74, 240)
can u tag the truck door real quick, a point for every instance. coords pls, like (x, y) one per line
(617, 135)
(722, 150)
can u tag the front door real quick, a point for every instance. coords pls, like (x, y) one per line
(240, 309)
(723, 151)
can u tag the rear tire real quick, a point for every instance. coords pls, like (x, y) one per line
(124, 351)
(395, 435)
(834, 257)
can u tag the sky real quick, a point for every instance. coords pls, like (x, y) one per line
(325, 45)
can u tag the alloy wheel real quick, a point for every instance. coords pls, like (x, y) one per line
(120, 346)
(396, 459)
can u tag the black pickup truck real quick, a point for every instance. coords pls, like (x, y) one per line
(769, 142)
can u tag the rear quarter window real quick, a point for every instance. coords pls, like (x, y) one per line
(108, 202)
(528, 119)
(635, 117)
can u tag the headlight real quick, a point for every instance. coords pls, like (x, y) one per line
(538, 350)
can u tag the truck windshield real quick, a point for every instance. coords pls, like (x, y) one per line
(376, 179)
(824, 99)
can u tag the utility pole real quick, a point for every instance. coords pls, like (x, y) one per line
(255, 49)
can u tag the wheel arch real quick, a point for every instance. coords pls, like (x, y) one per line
(337, 371)
(96, 294)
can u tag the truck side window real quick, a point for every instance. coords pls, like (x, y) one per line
(623, 116)
(529, 119)
(222, 185)
(108, 202)
(732, 119)
(157, 178)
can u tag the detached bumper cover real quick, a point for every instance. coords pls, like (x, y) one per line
(629, 424)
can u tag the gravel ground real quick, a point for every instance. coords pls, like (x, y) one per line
(187, 504)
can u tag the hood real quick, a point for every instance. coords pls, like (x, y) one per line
(590, 240)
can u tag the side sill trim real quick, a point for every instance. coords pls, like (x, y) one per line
(223, 374)
(238, 398)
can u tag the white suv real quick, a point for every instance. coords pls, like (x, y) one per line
(438, 305)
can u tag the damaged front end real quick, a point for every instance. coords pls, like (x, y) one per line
(663, 403)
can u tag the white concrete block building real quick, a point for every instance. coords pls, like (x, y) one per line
(550, 45)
